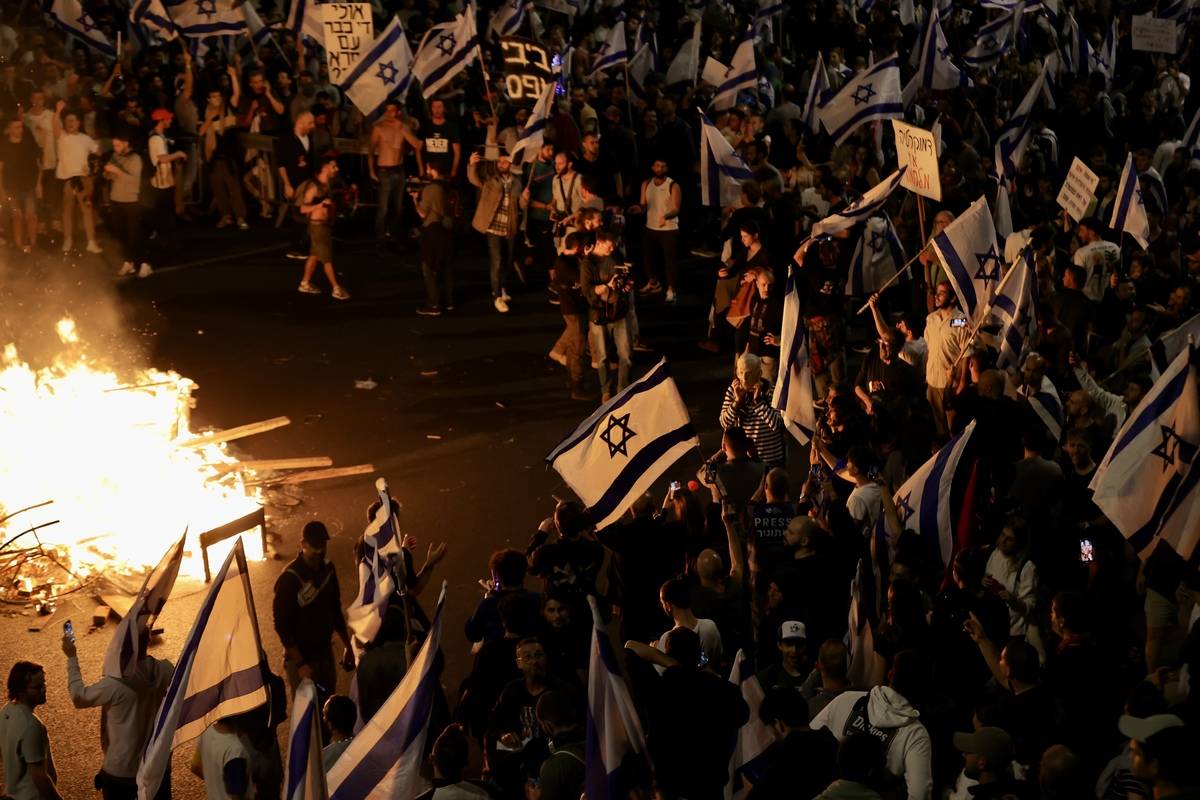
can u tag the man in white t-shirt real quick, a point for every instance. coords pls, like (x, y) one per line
(40, 122)
(222, 760)
(74, 176)
(29, 772)
(676, 598)
(162, 165)
(865, 502)
(1096, 256)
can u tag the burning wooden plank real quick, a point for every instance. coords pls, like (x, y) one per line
(240, 432)
(315, 475)
(275, 464)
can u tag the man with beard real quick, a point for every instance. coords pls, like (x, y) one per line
(946, 336)
(496, 217)
(442, 141)
(308, 611)
(385, 161)
(661, 201)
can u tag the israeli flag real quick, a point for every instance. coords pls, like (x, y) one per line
(383, 73)
(1155, 188)
(612, 51)
(971, 257)
(1171, 344)
(860, 210)
(74, 20)
(1002, 213)
(818, 86)
(507, 19)
(935, 69)
(384, 758)
(1047, 406)
(639, 68)
(793, 395)
(685, 66)
(153, 15)
(218, 674)
(721, 168)
(376, 579)
(755, 741)
(620, 450)
(860, 637)
(923, 502)
(1016, 134)
(769, 8)
(876, 258)
(305, 770)
(1015, 308)
(994, 39)
(1129, 212)
(200, 18)
(304, 20)
(616, 747)
(534, 132)
(446, 50)
(872, 94)
(133, 632)
(257, 29)
(1074, 47)
(1147, 482)
(1104, 59)
(742, 74)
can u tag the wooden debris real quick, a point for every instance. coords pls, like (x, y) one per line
(315, 475)
(118, 604)
(239, 432)
(276, 463)
(100, 616)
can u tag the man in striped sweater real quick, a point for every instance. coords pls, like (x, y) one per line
(748, 406)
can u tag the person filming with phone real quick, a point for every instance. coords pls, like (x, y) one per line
(946, 335)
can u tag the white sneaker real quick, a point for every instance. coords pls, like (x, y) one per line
(145, 271)
(242, 226)
(307, 288)
(670, 298)
(340, 294)
(92, 247)
(127, 268)
(507, 297)
(68, 245)
(501, 304)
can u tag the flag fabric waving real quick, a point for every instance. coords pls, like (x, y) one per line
(755, 741)
(994, 39)
(507, 19)
(613, 50)
(376, 580)
(794, 387)
(153, 15)
(742, 73)
(615, 745)
(686, 64)
(1129, 212)
(384, 758)
(534, 132)
(200, 18)
(446, 50)
(1046, 405)
(382, 73)
(861, 209)
(1015, 307)
(935, 69)
(721, 168)
(303, 20)
(72, 18)
(872, 94)
(1169, 345)
(923, 502)
(1147, 482)
(1016, 134)
(218, 674)
(305, 769)
(876, 258)
(134, 629)
(971, 257)
(620, 450)
(1103, 59)
(817, 87)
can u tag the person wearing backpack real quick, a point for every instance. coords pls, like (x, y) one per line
(887, 713)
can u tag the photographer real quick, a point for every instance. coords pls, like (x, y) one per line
(572, 344)
(607, 287)
(565, 198)
(437, 226)
(319, 208)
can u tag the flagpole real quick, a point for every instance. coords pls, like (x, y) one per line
(628, 95)
(487, 81)
(986, 312)
(892, 280)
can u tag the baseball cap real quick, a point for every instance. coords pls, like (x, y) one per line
(160, 114)
(1142, 728)
(994, 744)
(315, 533)
(791, 630)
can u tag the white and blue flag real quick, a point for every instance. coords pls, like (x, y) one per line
(257, 29)
(384, 758)
(755, 741)
(876, 258)
(200, 18)
(686, 64)
(377, 580)
(1015, 308)
(533, 134)
(818, 86)
(613, 51)
(305, 769)
(923, 502)
(1103, 59)
(742, 74)
(1171, 344)
(972, 258)
(153, 15)
(1147, 482)
(218, 674)
(619, 451)
(1046, 405)
(446, 50)
(1129, 211)
(507, 19)
(383, 72)
(794, 392)
(872, 94)
(303, 19)
(994, 39)
(133, 632)
(721, 168)
(1014, 138)
(71, 17)
(1156, 189)
(615, 749)
(861, 209)
(935, 69)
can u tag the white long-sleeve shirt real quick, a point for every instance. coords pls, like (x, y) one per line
(129, 708)
(1111, 403)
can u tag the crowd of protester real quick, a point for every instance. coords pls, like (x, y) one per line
(1046, 660)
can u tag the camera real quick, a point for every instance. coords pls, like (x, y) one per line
(1087, 552)
(958, 322)
(622, 278)
(415, 183)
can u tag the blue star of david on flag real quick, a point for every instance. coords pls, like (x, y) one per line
(983, 274)
(944, 53)
(863, 94)
(906, 510)
(617, 435)
(206, 7)
(446, 43)
(1101, 62)
(85, 22)
(387, 72)
(876, 242)
(1173, 446)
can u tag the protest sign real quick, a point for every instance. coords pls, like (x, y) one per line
(348, 31)
(527, 69)
(1078, 189)
(916, 148)
(1153, 35)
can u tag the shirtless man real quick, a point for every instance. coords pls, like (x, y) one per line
(316, 204)
(386, 163)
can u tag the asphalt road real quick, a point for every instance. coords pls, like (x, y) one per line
(465, 409)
